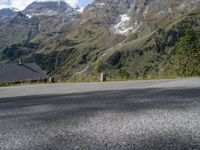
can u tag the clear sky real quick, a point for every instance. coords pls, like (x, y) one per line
(21, 4)
(83, 3)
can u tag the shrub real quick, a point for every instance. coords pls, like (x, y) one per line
(124, 74)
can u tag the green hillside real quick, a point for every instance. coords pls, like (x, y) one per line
(164, 48)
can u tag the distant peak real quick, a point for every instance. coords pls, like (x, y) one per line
(48, 7)
(9, 9)
(49, 1)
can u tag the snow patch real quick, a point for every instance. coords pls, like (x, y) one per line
(170, 10)
(44, 1)
(29, 16)
(100, 4)
(124, 28)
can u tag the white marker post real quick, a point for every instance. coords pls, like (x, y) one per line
(102, 79)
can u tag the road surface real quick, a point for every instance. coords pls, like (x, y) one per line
(141, 115)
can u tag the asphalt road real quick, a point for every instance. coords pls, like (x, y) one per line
(141, 115)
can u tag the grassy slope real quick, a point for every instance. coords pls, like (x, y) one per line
(151, 56)
(90, 49)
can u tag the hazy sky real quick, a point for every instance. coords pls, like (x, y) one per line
(21, 4)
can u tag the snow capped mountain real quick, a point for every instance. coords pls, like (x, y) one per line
(128, 16)
(47, 8)
(34, 20)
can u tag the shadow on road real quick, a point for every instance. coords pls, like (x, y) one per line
(47, 109)
(127, 100)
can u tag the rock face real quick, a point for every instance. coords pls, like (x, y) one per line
(47, 8)
(33, 22)
(5, 14)
(16, 27)
(127, 16)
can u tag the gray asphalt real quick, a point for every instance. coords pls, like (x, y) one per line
(141, 115)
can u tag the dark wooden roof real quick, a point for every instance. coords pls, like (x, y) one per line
(13, 72)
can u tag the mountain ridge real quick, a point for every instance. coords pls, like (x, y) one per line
(47, 8)
(124, 39)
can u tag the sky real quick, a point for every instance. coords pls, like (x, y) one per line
(21, 4)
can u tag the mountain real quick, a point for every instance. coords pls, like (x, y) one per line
(49, 8)
(127, 16)
(18, 27)
(39, 20)
(5, 14)
(125, 39)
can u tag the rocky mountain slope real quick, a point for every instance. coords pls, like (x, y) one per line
(126, 39)
(48, 8)
(39, 20)
(5, 14)
(128, 16)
